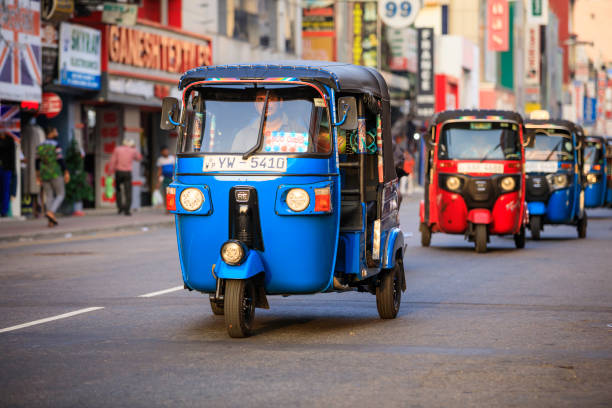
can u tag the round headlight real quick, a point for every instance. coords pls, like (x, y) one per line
(560, 180)
(591, 178)
(298, 199)
(232, 253)
(508, 183)
(191, 199)
(453, 183)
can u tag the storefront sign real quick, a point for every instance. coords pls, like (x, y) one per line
(318, 30)
(51, 105)
(365, 40)
(403, 47)
(498, 25)
(20, 74)
(116, 13)
(537, 12)
(133, 87)
(79, 56)
(144, 49)
(425, 82)
(57, 10)
(398, 13)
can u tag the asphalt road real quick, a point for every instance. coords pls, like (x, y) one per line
(528, 327)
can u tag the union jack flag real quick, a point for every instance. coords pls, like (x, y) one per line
(20, 53)
(10, 121)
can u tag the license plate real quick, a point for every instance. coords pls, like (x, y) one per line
(480, 168)
(541, 166)
(253, 163)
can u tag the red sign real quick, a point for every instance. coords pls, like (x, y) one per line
(51, 105)
(498, 25)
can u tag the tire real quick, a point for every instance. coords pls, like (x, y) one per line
(425, 235)
(519, 239)
(480, 238)
(239, 304)
(535, 225)
(216, 308)
(389, 291)
(582, 226)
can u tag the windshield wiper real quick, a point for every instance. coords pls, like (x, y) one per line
(489, 152)
(554, 149)
(262, 120)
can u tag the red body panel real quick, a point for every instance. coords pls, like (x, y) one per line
(480, 216)
(453, 213)
(422, 211)
(506, 214)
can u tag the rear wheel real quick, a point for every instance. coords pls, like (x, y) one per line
(425, 235)
(239, 305)
(389, 291)
(519, 239)
(582, 226)
(217, 308)
(535, 225)
(480, 238)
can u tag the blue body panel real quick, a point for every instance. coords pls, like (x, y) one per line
(560, 207)
(251, 267)
(594, 194)
(609, 195)
(536, 208)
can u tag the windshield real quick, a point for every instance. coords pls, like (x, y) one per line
(551, 145)
(241, 119)
(480, 141)
(593, 153)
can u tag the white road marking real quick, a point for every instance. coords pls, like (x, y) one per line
(161, 292)
(50, 319)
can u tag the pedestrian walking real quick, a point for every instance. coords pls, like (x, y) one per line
(121, 164)
(165, 169)
(7, 169)
(51, 173)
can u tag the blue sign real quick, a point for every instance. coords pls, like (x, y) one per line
(589, 114)
(79, 59)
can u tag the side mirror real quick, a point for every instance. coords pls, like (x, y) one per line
(347, 112)
(171, 111)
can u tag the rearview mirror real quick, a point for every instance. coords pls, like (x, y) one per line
(170, 113)
(347, 113)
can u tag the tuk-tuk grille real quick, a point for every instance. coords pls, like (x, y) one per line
(537, 188)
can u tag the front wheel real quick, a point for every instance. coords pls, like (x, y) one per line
(535, 225)
(519, 239)
(389, 291)
(239, 304)
(480, 238)
(582, 226)
(425, 235)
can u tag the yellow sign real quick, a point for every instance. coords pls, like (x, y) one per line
(532, 106)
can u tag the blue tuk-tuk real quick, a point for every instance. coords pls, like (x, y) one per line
(595, 169)
(609, 171)
(554, 182)
(285, 184)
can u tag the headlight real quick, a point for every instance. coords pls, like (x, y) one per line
(233, 252)
(298, 199)
(508, 183)
(591, 178)
(191, 199)
(560, 180)
(453, 183)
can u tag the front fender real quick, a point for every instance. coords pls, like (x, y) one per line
(249, 268)
(480, 216)
(536, 208)
(394, 241)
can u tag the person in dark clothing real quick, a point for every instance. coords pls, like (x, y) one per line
(51, 173)
(7, 169)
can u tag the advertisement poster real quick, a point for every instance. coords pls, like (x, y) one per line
(403, 49)
(20, 56)
(365, 40)
(498, 25)
(79, 56)
(318, 30)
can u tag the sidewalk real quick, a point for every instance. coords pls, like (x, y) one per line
(99, 220)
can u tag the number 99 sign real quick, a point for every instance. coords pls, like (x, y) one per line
(398, 13)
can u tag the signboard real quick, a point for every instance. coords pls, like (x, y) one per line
(533, 55)
(590, 110)
(116, 13)
(57, 10)
(20, 74)
(602, 82)
(398, 13)
(425, 84)
(365, 40)
(403, 49)
(79, 56)
(318, 30)
(537, 12)
(498, 25)
(51, 105)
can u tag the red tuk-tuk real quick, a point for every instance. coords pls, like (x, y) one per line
(475, 177)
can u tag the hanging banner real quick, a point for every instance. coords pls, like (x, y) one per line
(532, 63)
(79, 56)
(20, 73)
(498, 25)
(537, 12)
(425, 84)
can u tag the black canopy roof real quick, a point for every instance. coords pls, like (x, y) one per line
(477, 113)
(340, 76)
(555, 122)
